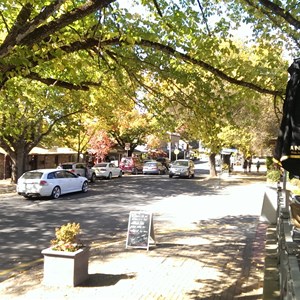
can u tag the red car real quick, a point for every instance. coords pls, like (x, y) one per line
(131, 165)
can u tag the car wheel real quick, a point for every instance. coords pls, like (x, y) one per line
(85, 187)
(56, 192)
(93, 178)
(109, 176)
(120, 174)
(170, 175)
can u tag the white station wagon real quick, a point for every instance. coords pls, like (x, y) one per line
(50, 183)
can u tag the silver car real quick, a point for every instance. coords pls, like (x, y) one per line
(154, 167)
(50, 183)
(182, 168)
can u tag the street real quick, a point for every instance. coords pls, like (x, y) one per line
(27, 226)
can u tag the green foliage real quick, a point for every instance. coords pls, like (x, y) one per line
(269, 163)
(273, 175)
(67, 238)
(185, 68)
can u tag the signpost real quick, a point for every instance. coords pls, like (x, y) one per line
(140, 230)
(176, 152)
(127, 147)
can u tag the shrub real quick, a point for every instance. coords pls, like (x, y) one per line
(67, 238)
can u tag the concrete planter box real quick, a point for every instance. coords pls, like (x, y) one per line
(65, 268)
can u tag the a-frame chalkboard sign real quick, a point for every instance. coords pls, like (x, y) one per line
(140, 230)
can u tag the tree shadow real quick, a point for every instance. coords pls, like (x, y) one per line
(101, 280)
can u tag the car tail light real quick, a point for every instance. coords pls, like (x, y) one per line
(43, 182)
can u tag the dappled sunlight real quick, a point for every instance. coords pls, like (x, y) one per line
(214, 260)
(209, 239)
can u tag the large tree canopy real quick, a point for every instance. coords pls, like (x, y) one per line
(160, 48)
(41, 41)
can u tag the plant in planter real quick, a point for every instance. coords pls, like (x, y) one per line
(66, 261)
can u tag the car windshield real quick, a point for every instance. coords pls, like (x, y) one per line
(150, 164)
(32, 175)
(181, 163)
(126, 161)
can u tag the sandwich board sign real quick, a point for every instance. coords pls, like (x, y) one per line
(140, 230)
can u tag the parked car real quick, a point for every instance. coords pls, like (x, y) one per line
(50, 183)
(80, 169)
(154, 167)
(107, 170)
(182, 168)
(131, 165)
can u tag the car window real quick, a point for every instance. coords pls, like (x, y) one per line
(51, 175)
(111, 165)
(125, 161)
(151, 164)
(70, 175)
(67, 166)
(60, 174)
(32, 175)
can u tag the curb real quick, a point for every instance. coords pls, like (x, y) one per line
(271, 289)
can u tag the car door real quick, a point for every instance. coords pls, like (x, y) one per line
(113, 169)
(81, 170)
(62, 181)
(73, 182)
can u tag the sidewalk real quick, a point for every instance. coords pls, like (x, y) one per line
(6, 186)
(219, 258)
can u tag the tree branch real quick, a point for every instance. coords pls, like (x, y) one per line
(204, 17)
(45, 31)
(56, 82)
(276, 9)
(91, 42)
(22, 27)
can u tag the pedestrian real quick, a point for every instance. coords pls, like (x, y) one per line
(245, 164)
(257, 165)
(249, 164)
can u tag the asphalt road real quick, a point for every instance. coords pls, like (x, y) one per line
(27, 226)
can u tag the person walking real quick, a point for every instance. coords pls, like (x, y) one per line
(245, 165)
(257, 165)
(249, 164)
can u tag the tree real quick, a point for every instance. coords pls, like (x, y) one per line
(27, 118)
(130, 127)
(51, 35)
(79, 46)
(100, 144)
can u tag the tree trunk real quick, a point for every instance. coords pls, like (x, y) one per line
(20, 164)
(212, 164)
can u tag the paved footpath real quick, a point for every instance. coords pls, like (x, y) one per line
(212, 251)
